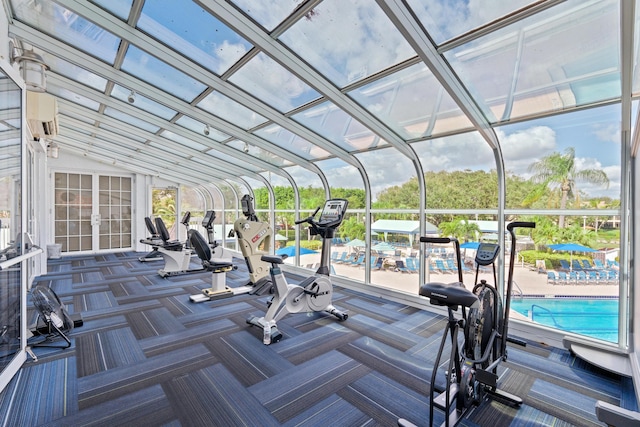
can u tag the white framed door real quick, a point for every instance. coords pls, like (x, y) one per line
(92, 212)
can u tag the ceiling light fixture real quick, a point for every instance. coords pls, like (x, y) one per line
(52, 149)
(132, 97)
(206, 130)
(32, 68)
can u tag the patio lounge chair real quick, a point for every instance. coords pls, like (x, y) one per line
(411, 265)
(401, 267)
(562, 278)
(581, 278)
(342, 259)
(564, 264)
(441, 267)
(599, 265)
(377, 264)
(551, 278)
(592, 277)
(586, 265)
(576, 265)
(358, 261)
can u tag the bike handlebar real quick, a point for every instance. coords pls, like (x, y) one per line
(520, 224)
(308, 219)
(425, 239)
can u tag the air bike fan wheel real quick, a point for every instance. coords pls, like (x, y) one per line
(480, 324)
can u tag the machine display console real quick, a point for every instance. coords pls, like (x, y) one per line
(333, 210)
(208, 219)
(487, 253)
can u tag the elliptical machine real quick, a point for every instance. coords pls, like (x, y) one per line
(472, 368)
(251, 234)
(314, 293)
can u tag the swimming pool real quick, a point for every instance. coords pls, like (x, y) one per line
(597, 318)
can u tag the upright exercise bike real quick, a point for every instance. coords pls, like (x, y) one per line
(253, 234)
(472, 369)
(314, 293)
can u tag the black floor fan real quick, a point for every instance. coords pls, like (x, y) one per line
(53, 321)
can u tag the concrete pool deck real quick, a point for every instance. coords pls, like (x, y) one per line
(528, 281)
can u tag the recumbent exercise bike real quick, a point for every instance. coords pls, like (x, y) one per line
(472, 368)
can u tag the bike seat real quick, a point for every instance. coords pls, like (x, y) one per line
(449, 294)
(219, 266)
(273, 259)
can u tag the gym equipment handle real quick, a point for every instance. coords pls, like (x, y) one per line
(520, 224)
(308, 219)
(425, 239)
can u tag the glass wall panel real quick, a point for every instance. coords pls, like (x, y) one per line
(10, 219)
(565, 174)
(345, 182)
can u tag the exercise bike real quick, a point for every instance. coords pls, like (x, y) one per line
(314, 293)
(253, 234)
(177, 255)
(472, 369)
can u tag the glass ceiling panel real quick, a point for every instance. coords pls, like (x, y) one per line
(123, 133)
(160, 74)
(183, 141)
(338, 127)
(72, 96)
(446, 19)
(143, 103)
(564, 57)
(196, 126)
(190, 30)
(267, 80)
(73, 72)
(289, 141)
(347, 40)
(230, 110)
(268, 13)
(65, 25)
(127, 118)
(227, 159)
(413, 103)
(119, 8)
(252, 150)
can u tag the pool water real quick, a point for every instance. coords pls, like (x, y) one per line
(597, 318)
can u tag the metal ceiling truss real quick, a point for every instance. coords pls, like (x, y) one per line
(53, 46)
(124, 31)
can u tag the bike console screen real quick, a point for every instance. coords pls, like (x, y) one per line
(333, 211)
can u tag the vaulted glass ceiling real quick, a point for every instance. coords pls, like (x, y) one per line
(224, 90)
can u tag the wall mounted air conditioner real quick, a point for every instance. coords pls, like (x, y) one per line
(42, 114)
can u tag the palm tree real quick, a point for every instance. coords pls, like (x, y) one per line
(559, 171)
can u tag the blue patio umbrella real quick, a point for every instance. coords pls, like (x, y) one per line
(571, 248)
(383, 247)
(291, 251)
(470, 245)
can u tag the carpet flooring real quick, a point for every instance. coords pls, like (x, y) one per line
(147, 356)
